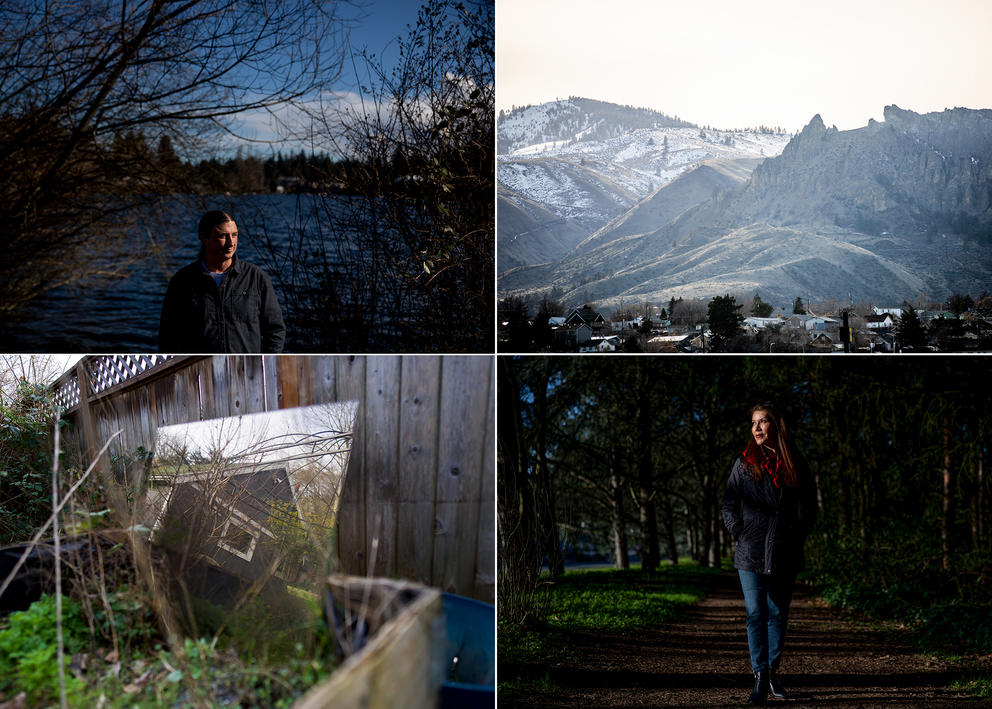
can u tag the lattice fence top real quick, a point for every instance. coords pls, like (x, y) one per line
(104, 371)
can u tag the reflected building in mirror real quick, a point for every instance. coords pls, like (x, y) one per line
(249, 500)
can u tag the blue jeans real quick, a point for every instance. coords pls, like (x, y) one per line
(766, 599)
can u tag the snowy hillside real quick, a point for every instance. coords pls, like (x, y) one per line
(584, 163)
(638, 162)
(575, 119)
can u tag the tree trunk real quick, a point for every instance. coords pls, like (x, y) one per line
(547, 517)
(519, 562)
(947, 501)
(690, 538)
(706, 545)
(671, 543)
(619, 526)
(713, 555)
(981, 498)
(978, 504)
(645, 474)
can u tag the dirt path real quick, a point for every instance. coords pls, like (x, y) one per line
(830, 659)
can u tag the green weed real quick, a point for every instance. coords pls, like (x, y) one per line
(28, 649)
(981, 687)
(215, 671)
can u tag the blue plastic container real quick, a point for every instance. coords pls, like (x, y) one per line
(470, 652)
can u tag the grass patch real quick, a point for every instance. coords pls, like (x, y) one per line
(229, 669)
(624, 599)
(593, 601)
(980, 687)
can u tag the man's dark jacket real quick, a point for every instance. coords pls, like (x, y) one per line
(242, 315)
(770, 524)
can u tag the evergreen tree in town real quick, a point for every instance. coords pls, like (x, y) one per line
(797, 307)
(909, 330)
(759, 308)
(725, 318)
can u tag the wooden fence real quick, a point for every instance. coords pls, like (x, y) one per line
(419, 498)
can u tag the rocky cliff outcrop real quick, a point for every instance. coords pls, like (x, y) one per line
(913, 175)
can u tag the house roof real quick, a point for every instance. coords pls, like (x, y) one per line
(585, 314)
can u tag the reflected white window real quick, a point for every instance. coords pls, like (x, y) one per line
(238, 538)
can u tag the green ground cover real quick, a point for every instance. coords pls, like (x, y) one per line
(594, 601)
(122, 660)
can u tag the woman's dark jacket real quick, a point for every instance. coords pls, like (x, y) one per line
(770, 524)
(242, 315)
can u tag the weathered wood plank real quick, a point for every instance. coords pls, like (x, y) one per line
(419, 412)
(162, 402)
(461, 439)
(485, 571)
(462, 427)
(322, 382)
(188, 396)
(254, 391)
(381, 418)
(304, 379)
(415, 541)
(222, 386)
(455, 541)
(397, 668)
(237, 387)
(163, 369)
(149, 424)
(289, 378)
(127, 411)
(208, 400)
(91, 434)
(271, 381)
(352, 542)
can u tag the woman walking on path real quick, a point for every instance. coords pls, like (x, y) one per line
(769, 508)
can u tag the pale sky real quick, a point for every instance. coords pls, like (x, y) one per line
(747, 63)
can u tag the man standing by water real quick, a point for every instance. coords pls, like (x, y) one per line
(220, 303)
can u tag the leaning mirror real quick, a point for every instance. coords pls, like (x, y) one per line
(242, 510)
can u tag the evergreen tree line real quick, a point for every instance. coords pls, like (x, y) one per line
(636, 452)
(240, 174)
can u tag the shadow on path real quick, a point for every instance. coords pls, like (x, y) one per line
(830, 659)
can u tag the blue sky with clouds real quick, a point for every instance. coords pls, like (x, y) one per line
(375, 26)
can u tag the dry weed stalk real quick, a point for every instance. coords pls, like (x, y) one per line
(58, 571)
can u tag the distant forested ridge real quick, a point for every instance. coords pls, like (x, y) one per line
(242, 173)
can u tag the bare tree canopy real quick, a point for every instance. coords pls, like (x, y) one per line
(422, 144)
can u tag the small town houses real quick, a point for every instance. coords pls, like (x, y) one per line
(585, 329)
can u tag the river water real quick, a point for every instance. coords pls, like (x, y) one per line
(123, 315)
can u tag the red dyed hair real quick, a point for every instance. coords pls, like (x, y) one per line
(780, 436)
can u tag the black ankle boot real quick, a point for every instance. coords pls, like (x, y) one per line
(775, 687)
(760, 693)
